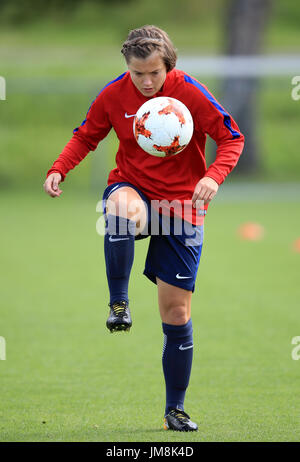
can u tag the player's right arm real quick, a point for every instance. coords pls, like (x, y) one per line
(51, 184)
(85, 138)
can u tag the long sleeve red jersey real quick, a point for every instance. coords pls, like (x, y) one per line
(167, 178)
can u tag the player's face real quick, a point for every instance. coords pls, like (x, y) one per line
(149, 74)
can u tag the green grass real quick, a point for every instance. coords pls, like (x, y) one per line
(67, 379)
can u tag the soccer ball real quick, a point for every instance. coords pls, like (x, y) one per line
(163, 126)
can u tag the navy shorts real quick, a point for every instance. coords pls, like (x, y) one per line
(175, 245)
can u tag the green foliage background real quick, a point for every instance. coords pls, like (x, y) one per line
(66, 378)
(56, 56)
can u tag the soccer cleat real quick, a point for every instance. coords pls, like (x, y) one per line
(119, 317)
(179, 421)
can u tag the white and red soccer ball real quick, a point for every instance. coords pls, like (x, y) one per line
(163, 126)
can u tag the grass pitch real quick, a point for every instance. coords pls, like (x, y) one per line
(65, 378)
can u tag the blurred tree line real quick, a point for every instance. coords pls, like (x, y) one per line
(16, 12)
(246, 24)
(236, 27)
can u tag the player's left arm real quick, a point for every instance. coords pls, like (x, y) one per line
(221, 127)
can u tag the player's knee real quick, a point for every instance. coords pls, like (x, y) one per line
(178, 314)
(127, 207)
(116, 206)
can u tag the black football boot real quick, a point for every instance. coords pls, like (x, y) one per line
(119, 317)
(179, 421)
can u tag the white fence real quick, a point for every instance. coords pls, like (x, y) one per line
(241, 66)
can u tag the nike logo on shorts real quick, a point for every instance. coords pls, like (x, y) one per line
(127, 116)
(182, 348)
(182, 277)
(118, 239)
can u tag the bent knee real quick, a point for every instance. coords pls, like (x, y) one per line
(128, 205)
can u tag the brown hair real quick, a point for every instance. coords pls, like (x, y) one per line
(142, 42)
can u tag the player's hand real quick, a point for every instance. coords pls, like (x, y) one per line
(51, 185)
(205, 190)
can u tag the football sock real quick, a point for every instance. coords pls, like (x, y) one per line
(119, 254)
(177, 362)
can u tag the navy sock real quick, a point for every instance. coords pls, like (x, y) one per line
(119, 254)
(177, 362)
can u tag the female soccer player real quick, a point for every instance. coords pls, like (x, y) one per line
(139, 178)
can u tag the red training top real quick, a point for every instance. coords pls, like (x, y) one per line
(170, 178)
